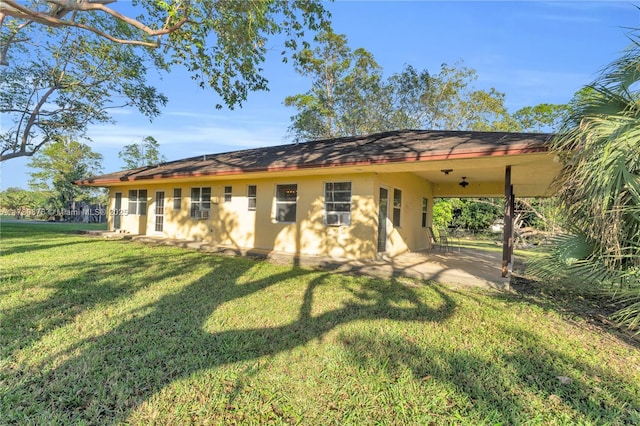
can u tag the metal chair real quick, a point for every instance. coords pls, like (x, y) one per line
(441, 239)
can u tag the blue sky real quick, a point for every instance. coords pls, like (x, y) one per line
(534, 52)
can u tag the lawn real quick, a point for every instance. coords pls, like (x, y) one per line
(96, 331)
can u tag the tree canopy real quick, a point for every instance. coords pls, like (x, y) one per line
(60, 164)
(63, 84)
(21, 202)
(343, 94)
(542, 117)
(600, 145)
(348, 97)
(145, 153)
(447, 100)
(65, 63)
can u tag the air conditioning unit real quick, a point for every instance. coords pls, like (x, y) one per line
(204, 214)
(337, 218)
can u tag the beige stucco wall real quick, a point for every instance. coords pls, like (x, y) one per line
(134, 224)
(410, 235)
(232, 224)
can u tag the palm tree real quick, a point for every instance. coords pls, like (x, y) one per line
(599, 187)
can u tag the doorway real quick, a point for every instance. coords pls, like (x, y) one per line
(117, 211)
(159, 211)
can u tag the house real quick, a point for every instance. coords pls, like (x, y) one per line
(351, 197)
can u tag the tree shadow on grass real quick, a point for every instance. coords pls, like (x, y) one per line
(101, 281)
(594, 308)
(104, 378)
(516, 387)
(36, 245)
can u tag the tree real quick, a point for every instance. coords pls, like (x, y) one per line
(599, 187)
(66, 62)
(542, 117)
(348, 96)
(547, 117)
(60, 164)
(448, 101)
(20, 202)
(407, 91)
(442, 213)
(344, 89)
(63, 84)
(475, 214)
(145, 153)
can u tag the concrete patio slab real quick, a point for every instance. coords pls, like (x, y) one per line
(458, 268)
(464, 268)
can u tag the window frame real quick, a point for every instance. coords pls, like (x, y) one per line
(332, 205)
(137, 202)
(252, 198)
(280, 202)
(396, 213)
(228, 193)
(200, 208)
(177, 197)
(425, 209)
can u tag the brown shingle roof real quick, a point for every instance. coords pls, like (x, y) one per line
(395, 146)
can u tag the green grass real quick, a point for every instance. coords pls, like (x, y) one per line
(52, 226)
(106, 332)
(491, 245)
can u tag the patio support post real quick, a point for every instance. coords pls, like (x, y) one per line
(512, 241)
(507, 235)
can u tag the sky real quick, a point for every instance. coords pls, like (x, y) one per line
(534, 52)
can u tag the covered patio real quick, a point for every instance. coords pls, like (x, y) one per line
(504, 165)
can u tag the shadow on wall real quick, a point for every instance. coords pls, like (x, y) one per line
(236, 227)
(354, 241)
(223, 226)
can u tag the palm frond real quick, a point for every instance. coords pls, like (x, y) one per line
(599, 188)
(629, 316)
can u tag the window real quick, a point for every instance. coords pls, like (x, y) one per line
(138, 201)
(177, 198)
(200, 202)
(337, 203)
(397, 204)
(252, 193)
(424, 212)
(286, 199)
(227, 194)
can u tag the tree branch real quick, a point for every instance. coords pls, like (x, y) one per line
(10, 39)
(23, 151)
(53, 19)
(32, 118)
(531, 209)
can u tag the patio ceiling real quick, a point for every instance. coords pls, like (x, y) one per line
(532, 175)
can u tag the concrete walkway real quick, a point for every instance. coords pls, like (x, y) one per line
(463, 268)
